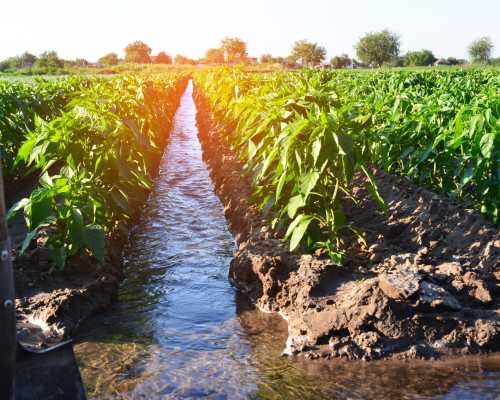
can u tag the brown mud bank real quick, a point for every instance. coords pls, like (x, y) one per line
(426, 285)
(51, 305)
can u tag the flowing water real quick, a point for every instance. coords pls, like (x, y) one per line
(179, 330)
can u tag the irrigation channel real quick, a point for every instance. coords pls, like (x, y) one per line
(179, 329)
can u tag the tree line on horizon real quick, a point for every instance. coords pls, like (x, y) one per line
(374, 49)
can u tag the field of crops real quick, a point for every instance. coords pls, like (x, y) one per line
(306, 136)
(95, 143)
(21, 103)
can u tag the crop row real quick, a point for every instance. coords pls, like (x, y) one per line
(95, 156)
(306, 135)
(22, 103)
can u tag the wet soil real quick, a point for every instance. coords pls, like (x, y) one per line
(51, 305)
(426, 285)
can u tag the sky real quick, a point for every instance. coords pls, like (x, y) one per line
(92, 28)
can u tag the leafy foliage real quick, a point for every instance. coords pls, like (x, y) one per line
(378, 48)
(22, 103)
(138, 52)
(109, 59)
(104, 148)
(307, 53)
(163, 58)
(480, 50)
(420, 58)
(302, 145)
(341, 61)
(235, 49)
(305, 135)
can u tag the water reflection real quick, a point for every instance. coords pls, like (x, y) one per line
(180, 331)
(285, 378)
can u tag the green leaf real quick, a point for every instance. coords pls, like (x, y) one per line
(268, 161)
(279, 186)
(467, 176)
(25, 150)
(252, 149)
(27, 240)
(294, 204)
(120, 200)
(487, 144)
(58, 256)
(76, 229)
(21, 204)
(299, 231)
(336, 257)
(316, 149)
(373, 189)
(95, 240)
(344, 143)
(46, 180)
(425, 154)
(308, 182)
(40, 208)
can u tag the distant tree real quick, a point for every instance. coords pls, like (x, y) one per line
(81, 62)
(480, 50)
(341, 61)
(180, 59)
(378, 47)
(26, 60)
(235, 49)
(48, 59)
(396, 62)
(455, 61)
(214, 56)
(4, 65)
(420, 58)
(138, 52)
(442, 61)
(109, 59)
(163, 58)
(266, 59)
(307, 53)
(289, 62)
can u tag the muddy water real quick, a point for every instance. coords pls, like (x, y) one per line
(179, 330)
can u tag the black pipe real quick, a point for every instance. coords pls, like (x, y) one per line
(7, 306)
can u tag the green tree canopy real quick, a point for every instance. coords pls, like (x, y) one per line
(308, 53)
(109, 59)
(163, 58)
(235, 49)
(24, 60)
(480, 50)
(49, 59)
(138, 52)
(267, 59)
(81, 62)
(215, 56)
(419, 58)
(341, 61)
(180, 59)
(377, 48)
